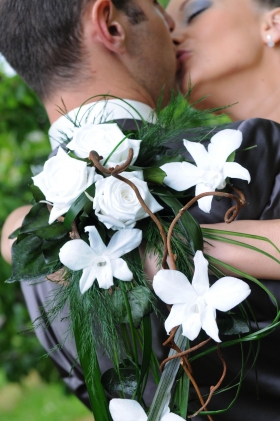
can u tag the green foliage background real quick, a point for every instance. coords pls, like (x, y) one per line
(23, 142)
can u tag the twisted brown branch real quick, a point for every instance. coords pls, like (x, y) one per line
(233, 211)
(95, 158)
(183, 353)
(115, 172)
(213, 388)
(185, 363)
(151, 214)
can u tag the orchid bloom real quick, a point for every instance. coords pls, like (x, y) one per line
(98, 261)
(130, 410)
(194, 305)
(211, 168)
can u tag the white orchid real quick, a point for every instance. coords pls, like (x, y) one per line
(98, 261)
(194, 305)
(129, 410)
(212, 167)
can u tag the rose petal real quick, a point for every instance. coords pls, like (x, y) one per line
(111, 222)
(121, 270)
(76, 255)
(126, 410)
(200, 280)
(56, 212)
(226, 293)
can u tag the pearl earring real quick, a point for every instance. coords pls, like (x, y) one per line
(270, 42)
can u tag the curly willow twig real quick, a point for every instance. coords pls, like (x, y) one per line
(230, 215)
(213, 388)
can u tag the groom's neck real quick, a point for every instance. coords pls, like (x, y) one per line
(120, 87)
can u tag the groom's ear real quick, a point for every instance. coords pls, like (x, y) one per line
(271, 26)
(109, 26)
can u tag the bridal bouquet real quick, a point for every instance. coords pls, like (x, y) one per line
(106, 195)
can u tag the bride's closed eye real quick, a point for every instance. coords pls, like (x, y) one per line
(194, 9)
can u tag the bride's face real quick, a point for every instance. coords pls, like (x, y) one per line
(215, 39)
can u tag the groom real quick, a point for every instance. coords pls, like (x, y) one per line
(75, 49)
(71, 50)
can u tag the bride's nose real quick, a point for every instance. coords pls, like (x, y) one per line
(177, 36)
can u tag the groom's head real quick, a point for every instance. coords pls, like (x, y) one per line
(62, 45)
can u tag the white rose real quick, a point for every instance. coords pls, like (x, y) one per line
(116, 204)
(104, 139)
(63, 180)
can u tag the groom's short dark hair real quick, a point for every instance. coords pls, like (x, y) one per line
(42, 39)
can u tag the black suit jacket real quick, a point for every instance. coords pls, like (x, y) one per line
(263, 202)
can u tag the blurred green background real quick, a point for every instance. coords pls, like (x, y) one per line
(30, 388)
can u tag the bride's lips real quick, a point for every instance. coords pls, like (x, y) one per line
(183, 55)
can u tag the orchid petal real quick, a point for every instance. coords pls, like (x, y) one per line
(226, 293)
(87, 279)
(123, 242)
(199, 154)
(192, 322)
(200, 280)
(126, 410)
(181, 175)
(173, 287)
(223, 144)
(175, 317)
(209, 324)
(76, 255)
(95, 240)
(104, 273)
(205, 202)
(120, 270)
(235, 170)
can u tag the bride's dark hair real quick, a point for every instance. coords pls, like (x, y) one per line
(42, 39)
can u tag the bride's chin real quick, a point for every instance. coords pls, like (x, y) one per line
(184, 83)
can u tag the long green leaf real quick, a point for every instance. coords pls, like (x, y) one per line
(207, 231)
(77, 206)
(241, 244)
(147, 350)
(163, 393)
(95, 389)
(189, 225)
